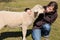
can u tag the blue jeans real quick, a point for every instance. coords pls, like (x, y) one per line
(44, 31)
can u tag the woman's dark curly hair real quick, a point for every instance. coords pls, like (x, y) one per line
(53, 3)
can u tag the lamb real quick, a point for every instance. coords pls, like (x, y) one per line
(19, 19)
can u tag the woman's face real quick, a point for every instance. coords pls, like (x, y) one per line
(50, 9)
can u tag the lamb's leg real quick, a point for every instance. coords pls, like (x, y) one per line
(24, 31)
(1, 26)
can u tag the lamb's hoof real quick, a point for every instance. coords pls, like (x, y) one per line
(24, 38)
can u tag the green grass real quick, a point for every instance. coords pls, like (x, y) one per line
(20, 5)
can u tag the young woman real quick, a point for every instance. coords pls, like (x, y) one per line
(42, 24)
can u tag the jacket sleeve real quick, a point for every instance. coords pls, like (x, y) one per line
(51, 19)
(46, 18)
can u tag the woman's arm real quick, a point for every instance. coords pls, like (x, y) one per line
(51, 19)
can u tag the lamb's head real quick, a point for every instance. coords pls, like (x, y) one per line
(37, 9)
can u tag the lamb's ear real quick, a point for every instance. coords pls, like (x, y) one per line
(26, 9)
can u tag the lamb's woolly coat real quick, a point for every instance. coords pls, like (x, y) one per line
(19, 19)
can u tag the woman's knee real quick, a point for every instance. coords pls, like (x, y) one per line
(47, 27)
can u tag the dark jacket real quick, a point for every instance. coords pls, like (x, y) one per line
(45, 18)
